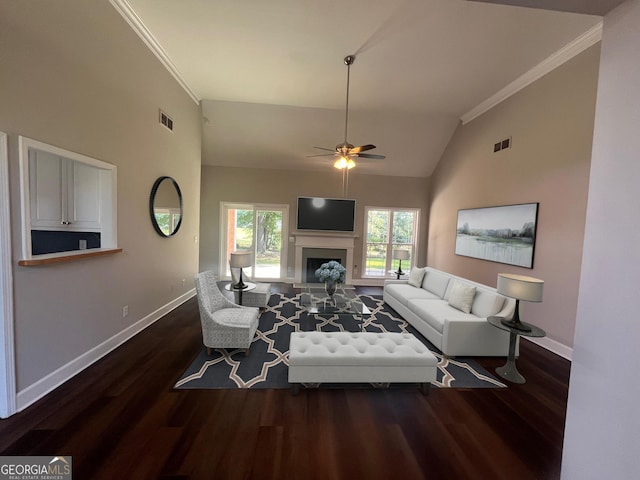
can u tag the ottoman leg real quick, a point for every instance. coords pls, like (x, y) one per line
(295, 388)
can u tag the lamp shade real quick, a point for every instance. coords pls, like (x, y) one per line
(520, 287)
(401, 254)
(240, 259)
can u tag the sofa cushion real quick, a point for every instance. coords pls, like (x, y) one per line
(435, 282)
(487, 303)
(435, 312)
(404, 292)
(415, 277)
(461, 296)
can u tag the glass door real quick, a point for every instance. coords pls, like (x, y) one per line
(259, 229)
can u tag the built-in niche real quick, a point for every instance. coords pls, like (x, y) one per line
(68, 201)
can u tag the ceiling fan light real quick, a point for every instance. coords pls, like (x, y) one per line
(350, 163)
(341, 163)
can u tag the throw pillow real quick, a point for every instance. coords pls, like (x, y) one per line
(415, 277)
(461, 296)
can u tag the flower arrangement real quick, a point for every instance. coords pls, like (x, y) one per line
(331, 271)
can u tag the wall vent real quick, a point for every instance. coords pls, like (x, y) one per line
(502, 145)
(166, 120)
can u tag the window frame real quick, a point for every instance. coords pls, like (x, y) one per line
(390, 243)
(223, 263)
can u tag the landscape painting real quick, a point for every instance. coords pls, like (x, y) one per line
(505, 234)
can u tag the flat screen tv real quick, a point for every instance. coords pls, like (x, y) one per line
(330, 214)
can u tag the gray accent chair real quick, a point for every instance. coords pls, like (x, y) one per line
(257, 297)
(224, 324)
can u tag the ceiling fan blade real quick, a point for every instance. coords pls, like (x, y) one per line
(362, 148)
(370, 155)
(327, 149)
(322, 155)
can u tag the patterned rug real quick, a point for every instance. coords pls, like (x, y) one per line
(267, 364)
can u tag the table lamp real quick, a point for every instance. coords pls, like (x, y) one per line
(400, 255)
(240, 260)
(519, 287)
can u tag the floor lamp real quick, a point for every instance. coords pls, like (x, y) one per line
(400, 255)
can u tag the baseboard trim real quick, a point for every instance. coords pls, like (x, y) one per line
(553, 346)
(42, 387)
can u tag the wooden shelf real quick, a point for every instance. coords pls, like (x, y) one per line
(67, 256)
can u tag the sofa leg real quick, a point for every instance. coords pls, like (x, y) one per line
(246, 352)
(208, 350)
(426, 388)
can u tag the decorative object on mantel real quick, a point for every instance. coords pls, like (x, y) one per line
(519, 287)
(505, 234)
(400, 255)
(331, 273)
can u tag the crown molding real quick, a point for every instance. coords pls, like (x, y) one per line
(566, 53)
(138, 26)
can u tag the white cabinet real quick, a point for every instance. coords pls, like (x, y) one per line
(64, 194)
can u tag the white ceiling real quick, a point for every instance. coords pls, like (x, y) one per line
(272, 81)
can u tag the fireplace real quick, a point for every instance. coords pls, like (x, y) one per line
(320, 248)
(314, 263)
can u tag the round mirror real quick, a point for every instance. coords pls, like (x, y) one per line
(165, 206)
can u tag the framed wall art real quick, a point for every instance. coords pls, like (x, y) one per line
(504, 234)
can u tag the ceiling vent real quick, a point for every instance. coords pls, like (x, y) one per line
(166, 120)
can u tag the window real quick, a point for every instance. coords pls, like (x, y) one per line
(387, 229)
(259, 229)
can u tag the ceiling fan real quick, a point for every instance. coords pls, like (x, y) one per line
(345, 151)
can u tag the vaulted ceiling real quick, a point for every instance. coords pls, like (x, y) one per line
(272, 82)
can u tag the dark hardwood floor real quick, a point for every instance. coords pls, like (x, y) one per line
(121, 419)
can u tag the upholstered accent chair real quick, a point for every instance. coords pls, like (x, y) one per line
(224, 324)
(257, 297)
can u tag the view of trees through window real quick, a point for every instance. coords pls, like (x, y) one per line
(386, 230)
(259, 231)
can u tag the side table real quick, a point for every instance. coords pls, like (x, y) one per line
(403, 275)
(248, 286)
(509, 370)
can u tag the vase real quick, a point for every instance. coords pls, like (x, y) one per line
(330, 287)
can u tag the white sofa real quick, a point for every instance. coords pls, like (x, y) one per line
(453, 331)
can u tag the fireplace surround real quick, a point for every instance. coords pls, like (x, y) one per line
(324, 246)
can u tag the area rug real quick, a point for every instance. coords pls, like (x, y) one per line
(267, 364)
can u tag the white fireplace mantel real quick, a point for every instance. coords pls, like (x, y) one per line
(328, 240)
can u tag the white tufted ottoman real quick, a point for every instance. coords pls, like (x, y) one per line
(338, 357)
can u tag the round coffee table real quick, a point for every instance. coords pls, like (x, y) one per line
(247, 286)
(509, 371)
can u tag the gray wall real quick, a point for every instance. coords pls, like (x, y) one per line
(601, 438)
(283, 187)
(75, 75)
(551, 125)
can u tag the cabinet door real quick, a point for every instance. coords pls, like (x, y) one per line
(65, 195)
(47, 190)
(83, 195)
